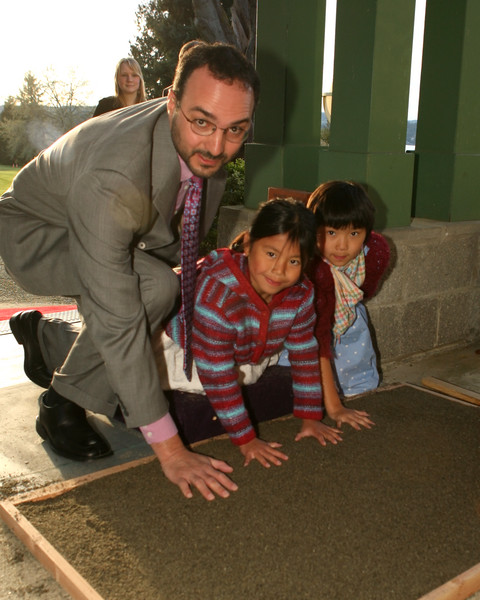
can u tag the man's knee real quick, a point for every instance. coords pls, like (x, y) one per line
(159, 288)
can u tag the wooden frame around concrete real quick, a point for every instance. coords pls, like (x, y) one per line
(450, 389)
(460, 587)
(62, 571)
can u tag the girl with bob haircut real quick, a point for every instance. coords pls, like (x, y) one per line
(252, 301)
(351, 259)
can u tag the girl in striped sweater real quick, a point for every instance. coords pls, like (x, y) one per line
(252, 301)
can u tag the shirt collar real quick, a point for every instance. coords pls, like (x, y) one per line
(185, 172)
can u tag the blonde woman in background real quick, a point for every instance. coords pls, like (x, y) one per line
(129, 87)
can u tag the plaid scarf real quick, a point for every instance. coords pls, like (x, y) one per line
(347, 280)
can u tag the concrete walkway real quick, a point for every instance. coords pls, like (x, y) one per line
(26, 463)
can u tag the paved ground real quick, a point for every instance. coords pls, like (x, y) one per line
(26, 463)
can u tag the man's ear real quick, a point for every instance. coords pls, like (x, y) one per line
(171, 102)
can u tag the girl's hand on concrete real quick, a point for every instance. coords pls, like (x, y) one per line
(265, 452)
(356, 418)
(323, 433)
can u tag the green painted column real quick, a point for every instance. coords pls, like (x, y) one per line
(448, 128)
(290, 40)
(370, 101)
(373, 47)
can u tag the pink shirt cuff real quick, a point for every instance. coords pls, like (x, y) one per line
(161, 430)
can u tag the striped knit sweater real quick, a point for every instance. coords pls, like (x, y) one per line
(233, 326)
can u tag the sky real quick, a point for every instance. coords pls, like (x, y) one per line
(88, 38)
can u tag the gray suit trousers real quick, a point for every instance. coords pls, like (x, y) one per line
(80, 373)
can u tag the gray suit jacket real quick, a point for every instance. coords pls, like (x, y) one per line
(70, 223)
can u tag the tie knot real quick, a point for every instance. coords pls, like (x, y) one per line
(195, 181)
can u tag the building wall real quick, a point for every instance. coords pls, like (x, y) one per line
(429, 299)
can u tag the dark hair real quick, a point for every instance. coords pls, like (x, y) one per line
(187, 46)
(283, 215)
(339, 204)
(224, 61)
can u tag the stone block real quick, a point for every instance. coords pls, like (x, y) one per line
(437, 268)
(459, 317)
(232, 220)
(405, 329)
(385, 326)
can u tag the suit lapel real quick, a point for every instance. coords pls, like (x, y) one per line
(165, 169)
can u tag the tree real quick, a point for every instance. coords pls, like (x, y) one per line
(22, 120)
(8, 113)
(232, 23)
(30, 95)
(19, 148)
(165, 25)
(66, 99)
(27, 125)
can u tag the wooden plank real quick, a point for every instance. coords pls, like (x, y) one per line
(45, 553)
(451, 390)
(56, 489)
(277, 192)
(458, 588)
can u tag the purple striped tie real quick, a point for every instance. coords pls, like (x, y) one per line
(189, 255)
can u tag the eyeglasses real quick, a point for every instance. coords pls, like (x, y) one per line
(234, 134)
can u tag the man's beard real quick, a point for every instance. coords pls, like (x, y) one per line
(186, 156)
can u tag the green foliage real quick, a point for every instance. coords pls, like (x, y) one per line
(7, 113)
(20, 115)
(235, 188)
(30, 95)
(234, 194)
(16, 139)
(28, 126)
(6, 177)
(20, 120)
(164, 26)
(325, 136)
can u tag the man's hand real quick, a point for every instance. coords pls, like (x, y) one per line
(186, 469)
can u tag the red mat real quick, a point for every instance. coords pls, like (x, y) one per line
(6, 313)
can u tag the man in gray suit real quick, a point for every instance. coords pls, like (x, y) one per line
(97, 216)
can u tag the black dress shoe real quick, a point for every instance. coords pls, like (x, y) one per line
(24, 326)
(66, 429)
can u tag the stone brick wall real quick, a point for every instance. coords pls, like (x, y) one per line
(430, 299)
